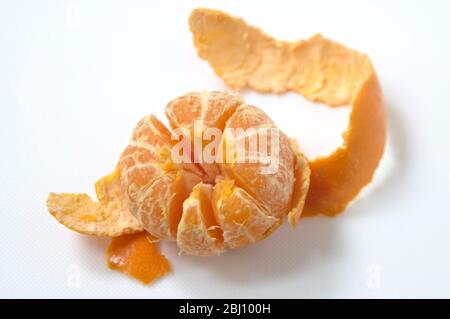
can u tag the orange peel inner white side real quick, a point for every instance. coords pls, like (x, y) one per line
(319, 69)
(107, 217)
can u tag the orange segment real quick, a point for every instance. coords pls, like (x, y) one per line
(242, 218)
(201, 111)
(150, 133)
(273, 188)
(182, 111)
(302, 178)
(198, 232)
(161, 203)
(155, 187)
(142, 161)
(137, 255)
(212, 109)
(319, 69)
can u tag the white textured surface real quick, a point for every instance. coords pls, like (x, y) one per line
(75, 76)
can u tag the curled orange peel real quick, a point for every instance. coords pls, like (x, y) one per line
(322, 71)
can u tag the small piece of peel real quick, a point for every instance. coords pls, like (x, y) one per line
(137, 255)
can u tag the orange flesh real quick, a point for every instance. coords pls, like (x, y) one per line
(138, 257)
(180, 193)
(208, 217)
(243, 219)
(198, 231)
(302, 174)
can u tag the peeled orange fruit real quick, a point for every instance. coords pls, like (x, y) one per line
(205, 207)
(210, 207)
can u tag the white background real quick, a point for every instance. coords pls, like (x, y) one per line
(75, 76)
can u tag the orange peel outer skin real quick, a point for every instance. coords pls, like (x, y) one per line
(137, 255)
(319, 69)
(336, 179)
